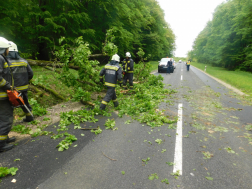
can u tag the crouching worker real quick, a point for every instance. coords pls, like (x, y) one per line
(22, 73)
(112, 72)
(6, 109)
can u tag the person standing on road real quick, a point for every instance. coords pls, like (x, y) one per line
(169, 66)
(188, 65)
(6, 109)
(128, 68)
(22, 74)
(112, 72)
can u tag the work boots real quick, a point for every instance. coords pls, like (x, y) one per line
(12, 139)
(28, 119)
(4, 146)
(116, 103)
(102, 106)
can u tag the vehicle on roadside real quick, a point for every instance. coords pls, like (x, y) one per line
(180, 61)
(162, 66)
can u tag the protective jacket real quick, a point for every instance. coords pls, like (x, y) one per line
(5, 77)
(112, 72)
(188, 63)
(128, 65)
(21, 71)
(169, 63)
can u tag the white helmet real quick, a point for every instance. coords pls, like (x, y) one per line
(128, 54)
(13, 47)
(116, 57)
(4, 44)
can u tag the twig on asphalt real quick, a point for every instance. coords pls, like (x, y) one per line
(27, 141)
(109, 157)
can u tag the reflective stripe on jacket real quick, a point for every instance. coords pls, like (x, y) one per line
(5, 77)
(128, 65)
(112, 72)
(22, 73)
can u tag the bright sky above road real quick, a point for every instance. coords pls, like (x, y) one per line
(187, 19)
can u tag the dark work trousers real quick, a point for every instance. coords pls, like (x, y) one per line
(25, 97)
(110, 95)
(169, 69)
(6, 120)
(188, 67)
(128, 76)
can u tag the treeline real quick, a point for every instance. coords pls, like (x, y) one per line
(226, 41)
(36, 25)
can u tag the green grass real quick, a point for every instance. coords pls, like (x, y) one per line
(154, 65)
(49, 79)
(239, 79)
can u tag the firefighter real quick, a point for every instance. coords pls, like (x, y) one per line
(112, 72)
(188, 65)
(128, 68)
(22, 73)
(6, 109)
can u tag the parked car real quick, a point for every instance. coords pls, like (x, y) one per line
(180, 61)
(162, 66)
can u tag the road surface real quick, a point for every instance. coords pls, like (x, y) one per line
(209, 147)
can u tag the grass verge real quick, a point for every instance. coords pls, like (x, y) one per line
(239, 79)
(154, 65)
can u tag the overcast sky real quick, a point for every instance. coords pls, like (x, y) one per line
(187, 19)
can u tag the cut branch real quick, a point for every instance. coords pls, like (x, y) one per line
(48, 90)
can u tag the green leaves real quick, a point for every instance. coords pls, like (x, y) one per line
(207, 155)
(229, 150)
(165, 181)
(110, 124)
(170, 163)
(146, 160)
(97, 131)
(65, 144)
(4, 171)
(159, 141)
(209, 178)
(153, 176)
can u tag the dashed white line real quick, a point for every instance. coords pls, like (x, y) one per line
(181, 77)
(178, 145)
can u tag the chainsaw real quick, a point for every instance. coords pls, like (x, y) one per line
(16, 99)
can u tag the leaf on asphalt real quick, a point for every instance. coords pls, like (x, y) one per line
(211, 131)
(229, 150)
(170, 163)
(82, 134)
(75, 145)
(209, 178)
(65, 173)
(123, 172)
(159, 141)
(17, 160)
(153, 176)
(165, 181)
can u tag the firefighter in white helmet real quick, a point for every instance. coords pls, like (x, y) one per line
(113, 73)
(6, 109)
(22, 74)
(128, 69)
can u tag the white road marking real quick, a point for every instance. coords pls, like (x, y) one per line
(178, 145)
(181, 77)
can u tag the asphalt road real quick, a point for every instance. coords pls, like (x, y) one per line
(210, 146)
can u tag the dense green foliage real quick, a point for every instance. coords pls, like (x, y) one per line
(36, 25)
(226, 40)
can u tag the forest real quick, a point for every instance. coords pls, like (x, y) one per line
(226, 41)
(37, 25)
